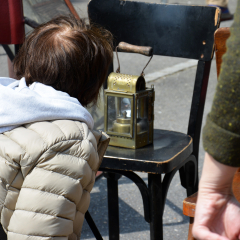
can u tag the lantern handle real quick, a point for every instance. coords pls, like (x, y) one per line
(142, 73)
(126, 47)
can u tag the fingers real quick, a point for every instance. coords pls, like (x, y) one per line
(203, 233)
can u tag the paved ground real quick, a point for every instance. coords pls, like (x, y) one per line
(173, 92)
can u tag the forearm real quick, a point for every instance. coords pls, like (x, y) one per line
(217, 213)
(216, 176)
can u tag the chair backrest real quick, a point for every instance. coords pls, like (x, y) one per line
(172, 30)
(220, 38)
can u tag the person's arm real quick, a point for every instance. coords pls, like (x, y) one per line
(217, 214)
(216, 176)
(221, 134)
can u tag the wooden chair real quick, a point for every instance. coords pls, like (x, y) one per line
(171, 30)
(189, 204)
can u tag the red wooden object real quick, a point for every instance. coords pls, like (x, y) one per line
(221, 37)
(11, 22)
(72, 9)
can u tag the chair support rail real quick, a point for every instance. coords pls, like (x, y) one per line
(141, 186)
(169, 176)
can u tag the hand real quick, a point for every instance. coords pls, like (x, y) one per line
(217, 214)
(217, 217)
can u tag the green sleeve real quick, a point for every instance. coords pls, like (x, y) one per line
(221, 134)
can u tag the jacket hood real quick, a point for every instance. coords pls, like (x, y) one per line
(20, 104)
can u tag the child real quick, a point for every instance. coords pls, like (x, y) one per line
(49, 153)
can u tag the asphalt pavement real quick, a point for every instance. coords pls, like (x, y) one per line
(173, 92)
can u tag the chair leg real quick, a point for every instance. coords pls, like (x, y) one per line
(156, 206)
(190, 236)
(93, 226)
(189, 176)
(113, 208)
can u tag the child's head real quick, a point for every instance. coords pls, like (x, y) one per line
(68, 55)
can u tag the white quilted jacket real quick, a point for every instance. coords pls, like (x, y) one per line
(47, 170)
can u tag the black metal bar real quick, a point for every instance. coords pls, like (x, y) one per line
(30, 22)
(8, 51)
(93, 226)
(155, 191)
(3, 235)
(113, 207)
(141, 186)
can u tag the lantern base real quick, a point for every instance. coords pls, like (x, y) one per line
(124, 142)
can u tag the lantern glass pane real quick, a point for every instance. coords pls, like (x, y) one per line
(142, 115)
(119, 114)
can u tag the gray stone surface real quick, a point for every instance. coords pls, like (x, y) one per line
(3, 63)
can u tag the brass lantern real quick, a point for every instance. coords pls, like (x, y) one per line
(129, 107)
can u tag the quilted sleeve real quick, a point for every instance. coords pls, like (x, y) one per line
(10, 177)
(48, 200)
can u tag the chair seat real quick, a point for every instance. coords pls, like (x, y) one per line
(189, 205)
(166, 153)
